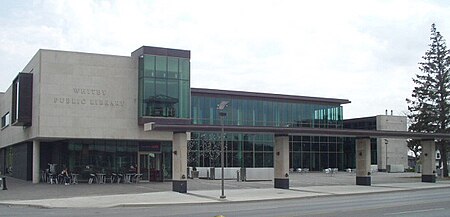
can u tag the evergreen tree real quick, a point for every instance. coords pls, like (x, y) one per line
(430, 104)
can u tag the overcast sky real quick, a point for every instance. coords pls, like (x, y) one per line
(364, 51)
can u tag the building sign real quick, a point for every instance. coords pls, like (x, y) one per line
(149, 147)
(90, 97)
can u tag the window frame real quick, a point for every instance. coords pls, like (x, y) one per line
(6, 120)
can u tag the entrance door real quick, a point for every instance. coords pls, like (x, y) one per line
(149, 166)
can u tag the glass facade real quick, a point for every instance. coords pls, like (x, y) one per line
(316, 152)
(248, 150)
(164, 86)
(240, 150)
(105, 156)
(246, 112)
(368, 123)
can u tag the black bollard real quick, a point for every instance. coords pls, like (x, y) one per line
(4, 183)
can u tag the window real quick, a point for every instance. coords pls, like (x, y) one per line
(163, 92)
(6, 120)
(22, 100)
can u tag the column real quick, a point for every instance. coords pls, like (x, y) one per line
(363, 161)
(382, 148)
(179, 162)
(36, 172)
(428, 158)
(281, 162)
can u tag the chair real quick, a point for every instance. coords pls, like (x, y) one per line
(92, 179)
(61, 179)
(137, 178)
(43, 176)
(119, 178)
(112, 178)
(53, 179)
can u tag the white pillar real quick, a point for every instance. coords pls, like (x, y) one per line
(36, 172)
(363, 161)
(428, 159)
(281, 162)
(179, 162)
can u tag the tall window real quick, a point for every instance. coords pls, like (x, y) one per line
(164, 89)
(22, 100)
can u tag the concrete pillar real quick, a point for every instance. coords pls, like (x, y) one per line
(382, 154)
(363, 161)
(281, 162)
(36, 171)
(179, 162)
(428, 159)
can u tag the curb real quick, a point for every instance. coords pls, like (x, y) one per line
(280, 199)
(324, 194)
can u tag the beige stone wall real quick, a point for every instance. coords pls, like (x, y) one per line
(90, 96)
(14, 134)
(82, 95)
(397, 150)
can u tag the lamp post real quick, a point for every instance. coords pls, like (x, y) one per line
(221, 107)
(386, 147)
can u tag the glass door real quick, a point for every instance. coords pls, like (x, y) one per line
(149, 166)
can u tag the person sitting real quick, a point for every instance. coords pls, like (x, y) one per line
(132, 169)
(65, 175)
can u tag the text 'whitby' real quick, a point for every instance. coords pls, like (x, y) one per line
(88, 91)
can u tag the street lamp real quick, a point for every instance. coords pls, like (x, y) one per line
(386, 147)
(221, 109)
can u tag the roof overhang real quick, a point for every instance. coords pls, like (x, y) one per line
(297, 131)
(266, 96)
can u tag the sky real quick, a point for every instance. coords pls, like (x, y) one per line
(364, 51)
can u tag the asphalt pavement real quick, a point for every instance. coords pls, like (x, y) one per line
(202, 191)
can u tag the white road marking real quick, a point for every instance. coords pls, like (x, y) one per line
(413, 211)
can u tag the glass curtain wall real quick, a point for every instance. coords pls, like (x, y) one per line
(102, 156)
(246, 150)
(164, 86)
(241, 150)
(316, 152)
(245, 112)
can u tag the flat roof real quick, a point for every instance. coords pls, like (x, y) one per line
(265, 96)
(161, 51)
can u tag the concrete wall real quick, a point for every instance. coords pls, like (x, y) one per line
(11, 135)
(397, 149)
(81, 95)
(22, 155)
(90, 96)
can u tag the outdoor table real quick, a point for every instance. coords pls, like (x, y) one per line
(128, 177)
(101, 178)
(74, 178)
(52, 178)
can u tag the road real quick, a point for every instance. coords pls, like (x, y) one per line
(434, 202)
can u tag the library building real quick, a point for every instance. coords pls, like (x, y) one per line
(99, 114)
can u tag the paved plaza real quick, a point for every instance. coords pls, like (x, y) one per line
(203, 190)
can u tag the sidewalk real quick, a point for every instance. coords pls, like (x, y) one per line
(212, 196)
